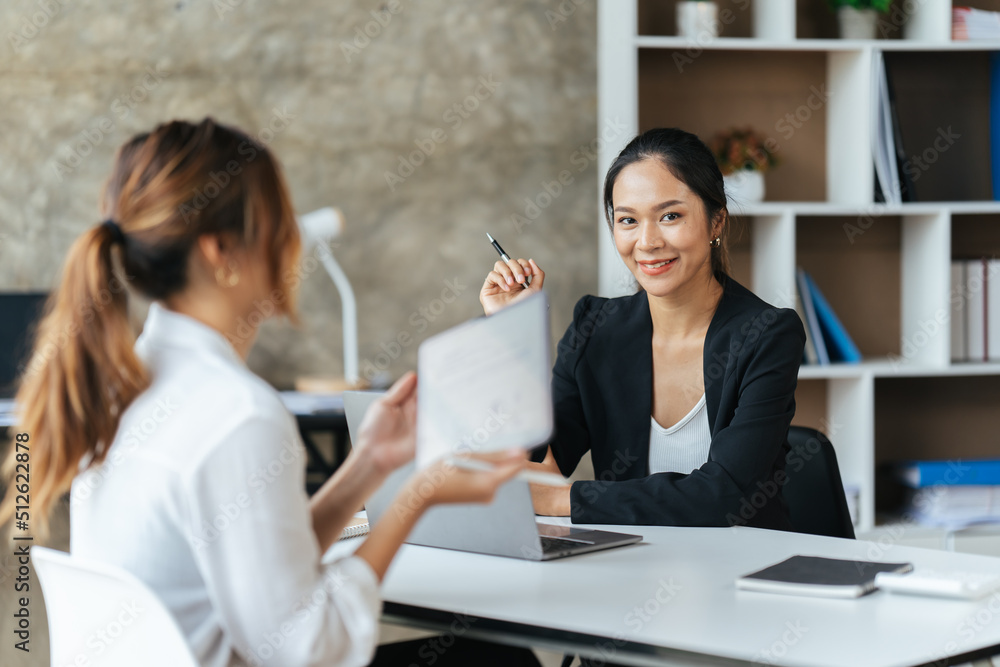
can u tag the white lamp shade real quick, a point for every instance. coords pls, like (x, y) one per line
(323, 224)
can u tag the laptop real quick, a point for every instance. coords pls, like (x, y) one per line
(507, 526)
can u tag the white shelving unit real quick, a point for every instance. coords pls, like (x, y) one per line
(925, 246)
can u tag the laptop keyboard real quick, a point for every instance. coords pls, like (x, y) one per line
(556, 544)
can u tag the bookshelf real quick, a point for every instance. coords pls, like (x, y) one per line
(884, 269)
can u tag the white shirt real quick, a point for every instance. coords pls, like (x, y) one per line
(202, 497)
(684, 446)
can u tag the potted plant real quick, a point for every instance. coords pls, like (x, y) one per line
(743, 156)
(859, 18)
(697, 19)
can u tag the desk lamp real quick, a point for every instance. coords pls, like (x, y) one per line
(318, 228)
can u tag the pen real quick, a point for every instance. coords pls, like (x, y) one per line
(547, 478)
(505, 257)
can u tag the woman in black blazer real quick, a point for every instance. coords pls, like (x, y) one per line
(690, 332)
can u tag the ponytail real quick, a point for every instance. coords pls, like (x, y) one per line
(162, 195)
(82, 374)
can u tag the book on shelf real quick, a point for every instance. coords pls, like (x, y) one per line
(809, 351)
(995, 122)
(968, 23)
(955, 472)
(839, 344)
(975, 313)
(975, 310)
(814, 337)
(959, 306)
(824, 331)
(815, 575)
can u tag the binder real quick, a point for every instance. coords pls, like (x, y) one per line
(839, 344)
(809, 352)
(956, 472)
(812, 322)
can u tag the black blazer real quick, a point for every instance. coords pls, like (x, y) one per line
(602, 387)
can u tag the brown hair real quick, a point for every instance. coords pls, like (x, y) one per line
(690, 161)
(168, 187)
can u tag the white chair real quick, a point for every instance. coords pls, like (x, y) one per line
(103, 616)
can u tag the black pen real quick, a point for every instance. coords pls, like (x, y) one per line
(505, 257)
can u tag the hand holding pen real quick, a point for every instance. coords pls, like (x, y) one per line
(509, 281)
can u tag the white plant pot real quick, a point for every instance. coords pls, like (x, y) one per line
(857, 23)
(774, 20)
(744, 187)
(697, 19)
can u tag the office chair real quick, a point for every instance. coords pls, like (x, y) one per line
(814, 491)
(103, 616)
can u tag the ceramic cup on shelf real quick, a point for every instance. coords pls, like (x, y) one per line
(697, 19)
(744, 186)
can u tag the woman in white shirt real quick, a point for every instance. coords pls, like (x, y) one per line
(186, 470)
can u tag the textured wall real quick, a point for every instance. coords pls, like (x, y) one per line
(491, 99)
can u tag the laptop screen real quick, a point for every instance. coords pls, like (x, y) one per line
(19, 315)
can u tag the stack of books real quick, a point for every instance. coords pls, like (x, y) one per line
(975, 310)
(952, 493)
(827, 340)
(968, 23)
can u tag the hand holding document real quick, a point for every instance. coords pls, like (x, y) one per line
(484, 386)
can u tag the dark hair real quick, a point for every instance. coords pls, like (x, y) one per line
(168, 187)
(691, 162)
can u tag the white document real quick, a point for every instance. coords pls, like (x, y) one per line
(485, 385)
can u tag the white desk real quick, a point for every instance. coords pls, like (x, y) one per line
(605, 604)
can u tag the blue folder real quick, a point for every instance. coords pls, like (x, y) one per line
(920, 474)
(839, 344)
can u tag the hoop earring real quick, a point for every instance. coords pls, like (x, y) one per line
(716, 242)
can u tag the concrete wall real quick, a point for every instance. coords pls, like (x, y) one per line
(504, 93)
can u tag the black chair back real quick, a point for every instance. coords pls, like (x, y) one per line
(814, 491)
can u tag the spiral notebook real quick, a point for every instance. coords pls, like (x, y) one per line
(356, 527)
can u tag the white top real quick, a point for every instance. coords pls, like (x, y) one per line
(684, 446)
(202, 497)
